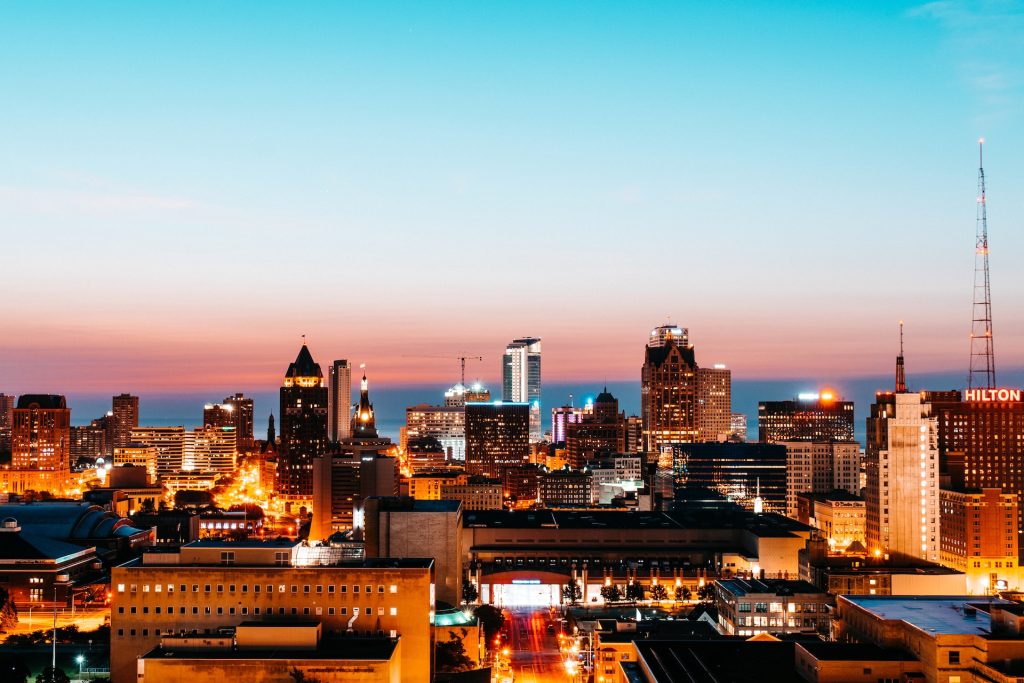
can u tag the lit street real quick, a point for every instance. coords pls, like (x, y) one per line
(533, 650)
(41, 618)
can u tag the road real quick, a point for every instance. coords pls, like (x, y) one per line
(534, 651)
(41, 618)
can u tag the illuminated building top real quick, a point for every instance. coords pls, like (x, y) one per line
(304, 372)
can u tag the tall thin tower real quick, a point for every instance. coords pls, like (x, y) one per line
(901, 372)
(982, 374)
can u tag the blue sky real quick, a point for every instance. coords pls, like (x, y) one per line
(190, 186)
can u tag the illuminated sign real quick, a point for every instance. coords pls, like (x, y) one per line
(988, 395)
(526, 582)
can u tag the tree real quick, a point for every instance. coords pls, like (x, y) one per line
(469, 592)
(51, 675)
(450, 656)
(491, 618)
(634, 592)
(8, 611)
(682, 594)
(571, 592)
(13, 669)
(659, 592)
(706, 593)
(611, 593)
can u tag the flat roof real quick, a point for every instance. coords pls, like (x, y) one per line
(937, 614)
(244, 543)
(713, 661)
(767, 525)
(781, 587)
(854, 652)
(379, 649)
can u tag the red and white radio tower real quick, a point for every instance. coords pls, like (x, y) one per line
(982, 374)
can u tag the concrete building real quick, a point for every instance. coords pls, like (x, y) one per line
(561, 417)
(169, 444)
(714, 403)
(979, 536)
(303, 427)
(41, 442)
(404, 527)
(210, 450)
(810, 417)
(569, 488)
(447, 424)
(668, 389)
(87, 443)
(497, 436)
(342, 482)
(902, 467)
(820, 467)
(138, 455)
(599, 432)
(839, 515)
(738, 427)
(244, 421)
(124, 418)
(614, 477)
(212, 585)
(742, 472)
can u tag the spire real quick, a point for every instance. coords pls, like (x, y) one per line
(982, 373)
(901, 376)
(364, 425)
(271, 433)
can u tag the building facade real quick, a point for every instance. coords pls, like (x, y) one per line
(742, 472)
(125, 418)
(668, 389)
(714, 403)
(820, 467)
(979, 536)
(339, 401)
(497, 436)
(810, 417)
(41, 441)
(445, 423)
(244, 421)
(303, 426)
(520, 374)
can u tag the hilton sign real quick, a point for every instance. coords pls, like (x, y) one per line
(991, 395)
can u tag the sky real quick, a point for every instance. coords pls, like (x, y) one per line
(187, 188)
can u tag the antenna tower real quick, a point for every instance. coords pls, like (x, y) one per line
(901, 373)
(982, 374)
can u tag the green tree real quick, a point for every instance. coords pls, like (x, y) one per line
(634, 592)
(491, 618)
(571, 592)
(450, 656)
(8, 611)
(611, 593)
(706, 593)
(682, 594)
(51, 675)
(469, 592)
(659, 592)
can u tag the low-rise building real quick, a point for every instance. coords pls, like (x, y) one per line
(750, 607)
(839, 515)
(565, 488)
(979, 536)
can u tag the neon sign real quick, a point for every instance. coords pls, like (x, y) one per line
(988, 395)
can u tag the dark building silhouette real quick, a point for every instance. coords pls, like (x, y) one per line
(600, 433)
(497, 437)
(741, 472)
(303, 426)
(125, 414)
(818, 417)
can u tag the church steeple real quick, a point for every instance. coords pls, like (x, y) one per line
(271, 434)
(363, 424)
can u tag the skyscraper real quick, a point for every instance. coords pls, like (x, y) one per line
(497, 437)
(244, 425)
(41, 439)
(167, 442)
(447, 424)
(364, 423)
(218, 415)
(125, 413)
(714, 403)
(6, 422)
(339, 401)
(668, 389)
(561, 418)
(303, 426)
(521, 379)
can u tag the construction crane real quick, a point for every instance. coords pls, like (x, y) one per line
(462, 362)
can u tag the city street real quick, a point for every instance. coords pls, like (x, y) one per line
(41, 618)
(534, 651)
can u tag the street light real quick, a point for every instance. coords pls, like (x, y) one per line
(81, 660)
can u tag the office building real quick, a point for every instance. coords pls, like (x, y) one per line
(125, 418)
(521, 379)
(714, 403)
(244, 424)
(474, 491)
(339, 401)
(615, 477)
(600, 432)
(138, 455)
(840, 516)
(212, 585)
(979, 536)
(6, 422)
(752, 475)
(565, 488)
(748, 607)
(497, 436)
(820, 467)
(210, 450)
(522, 485)
(303, 426)
(342, 482)
(561, 418)
(445, 423)
(428, 455)
(634, 434)
(167, 442)
(219, 415)
(738, 427)
(809, 417)
(902, 467)
(668, 389)
(458, 396)
(87, 443)
(41, 442)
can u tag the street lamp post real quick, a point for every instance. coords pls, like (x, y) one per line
(81, 660)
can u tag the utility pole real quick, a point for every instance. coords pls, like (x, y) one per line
(982, 373)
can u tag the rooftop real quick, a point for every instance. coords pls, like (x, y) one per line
(741, 587)
(713, 661)
(769, 525)
(378, 649)
(939, 614)
(854, 652)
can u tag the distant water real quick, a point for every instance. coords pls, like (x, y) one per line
(390, 401)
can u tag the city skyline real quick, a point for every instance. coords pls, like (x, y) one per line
(417, 162)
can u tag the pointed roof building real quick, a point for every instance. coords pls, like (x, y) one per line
(363, 424)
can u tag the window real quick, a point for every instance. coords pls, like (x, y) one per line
(231, 588)
(305, 611)
(369, 589)
(220, 587)
(319, 589)
(394, 611)
(355, 589)
(305, 589)
(195, 587)
(227, 557)
(380, 588)
(954, 656)
(245, 588)
(295, 589)
(245, 610)
(282, 559)
(281, 588)
(134, 610)
(207, 587)
(330, 590)
(344, 611)
(394, 588)
(342, 588)
(369, 611)
(120, 588)
(120, 610)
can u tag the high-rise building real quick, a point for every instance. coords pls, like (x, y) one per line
(218, 415)
(979, 537)
(87, 443)
(125, 414)
(303, 426)
(458, 396)
(138, 455)
(41, 439)
(497, 436)
(341, 482)
(600, 433)
(714, 403)
(810, 417)
(445, 423)
(169, 444)
(561, 418)
(745, 473)
(738, 427)
(902, 467)
(364, 423)
(668, 389)
(820, 467)
(210, 449)
(244, 420)
(6, 422)
(634, 434)
(339, 401)
(521, 379)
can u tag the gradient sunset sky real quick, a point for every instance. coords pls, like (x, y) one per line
(189, 187)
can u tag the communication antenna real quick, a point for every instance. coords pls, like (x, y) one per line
(982, 373)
